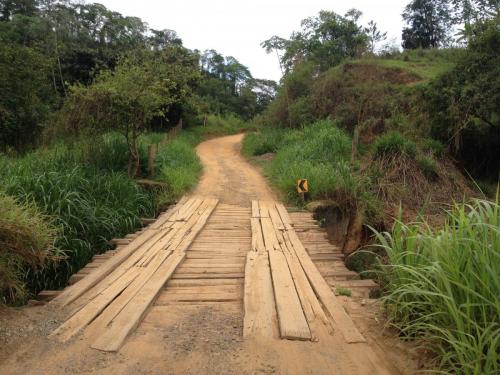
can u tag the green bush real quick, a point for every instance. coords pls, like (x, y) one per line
(434, 147)
(266, 141)
(428, 166)
(90, 206)
(320, 153)
(26, 243)
(178, 166)
(394, 143)
(442, 286)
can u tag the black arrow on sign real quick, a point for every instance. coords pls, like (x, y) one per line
(301, 185)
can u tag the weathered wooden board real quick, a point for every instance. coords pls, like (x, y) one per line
(334, 308)
(292, 321)
(260, 311)
(127, 320)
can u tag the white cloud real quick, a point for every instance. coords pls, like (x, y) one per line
(237, 27)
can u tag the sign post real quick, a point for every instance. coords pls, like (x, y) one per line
(302, 187)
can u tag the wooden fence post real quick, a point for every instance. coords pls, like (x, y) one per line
(152, 151)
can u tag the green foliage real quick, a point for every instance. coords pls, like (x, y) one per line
(324, 40)
(142, 86)
(178, 166)
(429, 23)
(268, 140)
(433, 146)
(464, 104)
(343, 291)
(52, 51)
(442, 286)
(394, 143)
(26, 242)
(428, 166)
(26, 94)
(90, 206)
(320, 153)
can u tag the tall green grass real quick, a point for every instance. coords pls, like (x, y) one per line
(27, 242)
(178, 165)
(85, 199)
(443, 286)
(320, 153)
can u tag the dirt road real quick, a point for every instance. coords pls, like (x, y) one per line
(195, 325)
(227, 175)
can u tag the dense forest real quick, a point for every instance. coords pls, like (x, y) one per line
(399, 145)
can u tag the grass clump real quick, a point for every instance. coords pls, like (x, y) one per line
(428, 166)
(178, 166)
(442, 286)
(268, 140)
(89, 205)
(394, 143)
(26, 243)
(220, 125)
(433, 147)
(343, 292)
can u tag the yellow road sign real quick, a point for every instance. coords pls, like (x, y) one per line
(302, 186)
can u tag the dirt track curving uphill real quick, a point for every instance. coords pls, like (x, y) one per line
(195, 325)
(227, 175)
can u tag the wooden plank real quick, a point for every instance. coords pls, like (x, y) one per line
(255, 209)
(260, 311)
(201, 282)
(292, 322)
(270, 240)
(211, 269)
(72, 293)
(310, 303)
(119, 271)
(114, 308)
(257, 239)
(275, 217)
(84, 316)
(164, 217)
(117, 331)
(285, 217)
(165, 298)
(238, 275)
(198, 226)
(263, 210)
(336, 311)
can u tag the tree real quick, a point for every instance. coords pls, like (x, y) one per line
(464, 104)
(25, 94)
(429, 23)
(325, 40)
(375, 36)
(143, 86)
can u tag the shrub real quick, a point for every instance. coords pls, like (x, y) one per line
(178, 166)
(26, 242)
(320, 153)
(428, 166)
(434, 147)
(89, 205)
(442, 286)
(394, 143)
(266, 141)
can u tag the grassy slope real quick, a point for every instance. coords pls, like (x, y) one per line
(441, 285)
(83, 188)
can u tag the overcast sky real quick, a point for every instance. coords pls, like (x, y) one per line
(237, 27)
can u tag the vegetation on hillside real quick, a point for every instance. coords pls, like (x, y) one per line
(442, 285)
(81, 89)
(393, 134)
